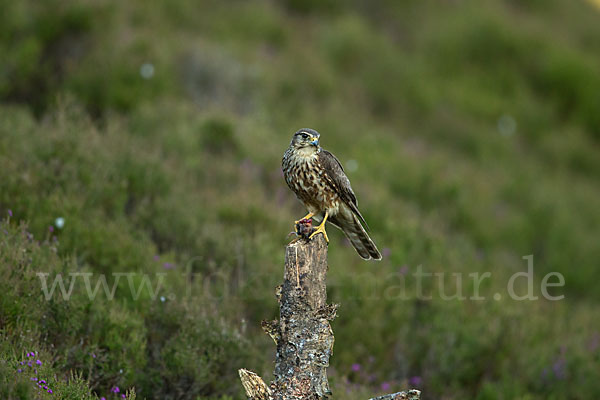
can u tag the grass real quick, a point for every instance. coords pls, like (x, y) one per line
(469, 132)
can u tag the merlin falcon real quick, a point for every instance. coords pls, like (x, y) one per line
(318, 180)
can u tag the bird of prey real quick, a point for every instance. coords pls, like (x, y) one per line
(318, 180)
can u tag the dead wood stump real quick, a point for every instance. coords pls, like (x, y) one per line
(303, 335)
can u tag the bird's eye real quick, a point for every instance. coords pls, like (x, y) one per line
(304, 136)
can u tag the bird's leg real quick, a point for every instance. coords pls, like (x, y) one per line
(309, 215)
(321, 228)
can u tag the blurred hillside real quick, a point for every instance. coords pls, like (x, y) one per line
(147, 137)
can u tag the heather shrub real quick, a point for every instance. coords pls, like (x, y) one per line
(140, 150)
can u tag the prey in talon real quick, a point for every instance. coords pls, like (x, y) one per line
(304, 228)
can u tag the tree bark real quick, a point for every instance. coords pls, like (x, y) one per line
(303, 335)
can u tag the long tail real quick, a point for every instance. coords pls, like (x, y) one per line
(350, 224)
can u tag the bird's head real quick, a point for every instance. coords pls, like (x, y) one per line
(305, 138)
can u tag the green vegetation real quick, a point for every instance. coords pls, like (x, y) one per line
(155, 131)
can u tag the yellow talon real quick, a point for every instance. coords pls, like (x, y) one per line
(321, 228)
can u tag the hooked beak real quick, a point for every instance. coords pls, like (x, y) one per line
(315, 141)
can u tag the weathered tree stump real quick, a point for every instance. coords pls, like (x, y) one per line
(303, 335)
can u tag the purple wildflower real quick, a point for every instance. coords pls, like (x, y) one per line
(123, 396)
(9, 212)
(386, 252)
(51, 228)
(168, 265)
(29, 363)
(355, 367)
(50, 391)
(115, 389)
(33, 378)
(43, 381)
(102, 398)
(559, 368)
(38, 362)
(385, 386)
(415, 381)
(156, 257)
(403, 270)
(19, 370)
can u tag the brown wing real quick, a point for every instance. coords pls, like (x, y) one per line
(337, 178)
